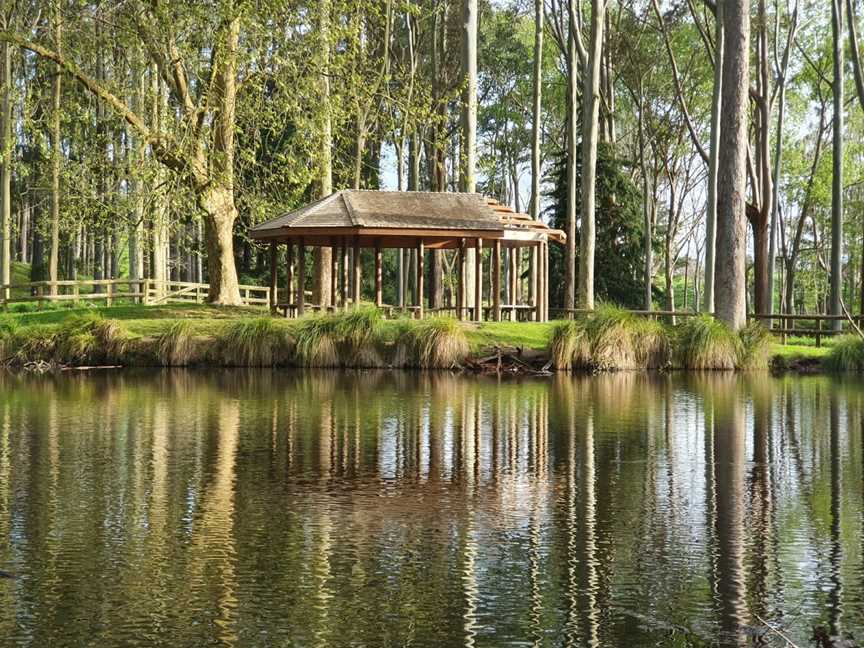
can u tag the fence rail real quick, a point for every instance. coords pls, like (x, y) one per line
(142, 291)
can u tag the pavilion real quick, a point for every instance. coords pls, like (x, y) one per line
(350, 220)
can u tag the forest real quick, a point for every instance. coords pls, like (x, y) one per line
(700, 156)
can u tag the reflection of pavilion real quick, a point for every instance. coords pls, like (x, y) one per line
(351, 220)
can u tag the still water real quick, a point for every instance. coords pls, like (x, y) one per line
(376, 509)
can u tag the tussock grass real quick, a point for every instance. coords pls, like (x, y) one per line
(706, 343)
(90, 339)
(755, 349)
(254, 342)
(847, 354)
(610, 339)
(434, 343)
(567, 344)
(176, 347)
(350, 339)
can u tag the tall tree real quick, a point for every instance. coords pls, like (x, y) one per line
(56, 153)
(590, 135)
(713, 165)
(324, 255)
(5, 167)
(837, 174)
(729, 279)
(468, 166)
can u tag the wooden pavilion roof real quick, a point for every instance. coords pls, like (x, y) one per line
(405, 215)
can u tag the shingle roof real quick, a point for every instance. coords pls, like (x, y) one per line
(392, 209)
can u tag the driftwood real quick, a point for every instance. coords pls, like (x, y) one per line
(513, 362)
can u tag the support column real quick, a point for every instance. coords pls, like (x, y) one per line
(356, 261)
(514, 278)
(532, 283)
(419, 279)
(344, 276)
(301, 277)
(379, 296)
(274, 286)
(545, 296)
(460, 283)
(289, 283)
(334, 273)
(496, 280)
(478, 281)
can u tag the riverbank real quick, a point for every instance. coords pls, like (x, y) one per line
(203, 335)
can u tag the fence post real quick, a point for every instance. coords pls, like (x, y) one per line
(76, 291)
(818, 332)
(109, 292)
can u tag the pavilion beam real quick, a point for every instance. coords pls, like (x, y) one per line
(301, 278)
(496, 280)
(356, 262)
(274, 285)
(379, 293)
(289, 283)
(419, 279)
(478, 281)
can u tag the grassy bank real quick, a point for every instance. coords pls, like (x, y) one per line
(180, 335)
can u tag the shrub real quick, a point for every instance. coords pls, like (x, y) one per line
(254, 342)
(706, 343)
(317, 339)
(434, 343)
(351, 338)
(847, 354)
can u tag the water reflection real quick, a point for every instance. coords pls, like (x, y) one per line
(329, 509)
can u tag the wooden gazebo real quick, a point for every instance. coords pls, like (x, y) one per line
(350, 220)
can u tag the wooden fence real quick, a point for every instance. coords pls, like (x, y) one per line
(109, 291)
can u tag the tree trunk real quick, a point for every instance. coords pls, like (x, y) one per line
(537, 105)
(729, 280)
(837, 173)
(6, 169)
(54, 255)
(590, 115)
(762, 264)
(572, 149)
(220, 214)
(711, 211)
(468, 166)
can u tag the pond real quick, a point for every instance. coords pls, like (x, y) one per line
(259, 508)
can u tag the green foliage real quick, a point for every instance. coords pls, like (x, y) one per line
(433, 343)
(567, 343)
(847, 354)
(620, 232)
(90, 339)
(351, 339)
(255, 342)
(706, 343)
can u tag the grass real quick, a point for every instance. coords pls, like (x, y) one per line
(180, 334)
(846, 355)
(434, 343)
(705, 343)
(254, 342)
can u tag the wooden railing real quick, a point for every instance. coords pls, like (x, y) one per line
(109, 291)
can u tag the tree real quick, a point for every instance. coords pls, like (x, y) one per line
(729, 280)
(837, 174)
(591, 108)
(204, 157)
(619, 233)
(468, 163)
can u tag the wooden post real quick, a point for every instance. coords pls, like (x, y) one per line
(419, 280)
(334, 272)
(532, 283)
(544, 252)
(274, 286)
(289, 284)
(379, 294)
(818, 333)
(109, 293)
(357, 278)
(460, 283)
(478, 281)
(496, 280)
(344, 277)
(301, 277)
(514, 277)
